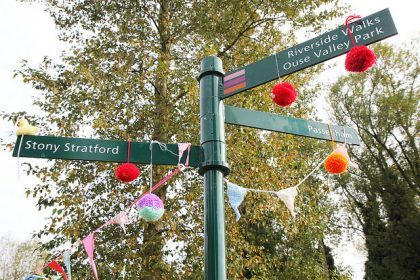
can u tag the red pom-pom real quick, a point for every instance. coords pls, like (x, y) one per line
(360, 59)
(127, 172)
(284, 94)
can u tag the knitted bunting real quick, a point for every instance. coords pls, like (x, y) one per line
(89, 244)
(288, 197)
(121, 219)
(54, 265)
(236, 195)
(66, 259)
(181, 148)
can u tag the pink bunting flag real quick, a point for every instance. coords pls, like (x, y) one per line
(89, 245)
(54, 265)
(182, 147)
(121, 219)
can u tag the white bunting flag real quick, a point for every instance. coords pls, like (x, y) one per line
(236, 195)
(288, 197)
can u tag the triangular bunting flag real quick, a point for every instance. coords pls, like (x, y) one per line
(34, 277)
(54, 265)
(66, 259)
(182, 147)
(89, 245)
(236, 195)
(121, 219)
(288, 197)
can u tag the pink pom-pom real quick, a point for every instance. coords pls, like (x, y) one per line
(359, 59)
(127, 172)
(284, 94)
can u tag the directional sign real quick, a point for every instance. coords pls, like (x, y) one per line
(273, 122)
(366, 31)
(99, 150)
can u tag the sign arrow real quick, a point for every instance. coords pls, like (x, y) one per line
(366, 31)
(273, 122)
(52, 147)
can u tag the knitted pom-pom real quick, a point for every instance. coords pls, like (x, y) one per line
(127, 172)
(283, 94)
(359, 59)
(150, 207)
(336, 163)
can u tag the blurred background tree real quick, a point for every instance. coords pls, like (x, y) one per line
(129, 73)
(383, 195)
(17, 259)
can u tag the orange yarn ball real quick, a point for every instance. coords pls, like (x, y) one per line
(336, 163)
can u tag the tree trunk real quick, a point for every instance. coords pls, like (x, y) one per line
(152, 264)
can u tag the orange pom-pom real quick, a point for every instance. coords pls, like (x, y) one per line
(336, 163)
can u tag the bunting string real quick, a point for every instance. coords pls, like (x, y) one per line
(236, 194)
(121, 219)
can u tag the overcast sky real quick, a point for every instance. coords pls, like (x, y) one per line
(29, 33)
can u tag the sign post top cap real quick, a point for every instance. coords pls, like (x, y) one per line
(211, 64)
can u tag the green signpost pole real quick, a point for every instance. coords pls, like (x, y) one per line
(213, 166)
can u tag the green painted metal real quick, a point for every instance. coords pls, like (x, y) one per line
(366, 31)
(273, 122)
(99, 150)
(213, 166)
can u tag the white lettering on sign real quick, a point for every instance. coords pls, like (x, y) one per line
(324, 131)
(69, 147)
(296, 63)
(32, 145)
(322, 41)
(330, 44)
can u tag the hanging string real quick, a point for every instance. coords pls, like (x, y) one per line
(164, 147)
(151, 167)
(310, 173)
(277, 66)
(18, 153)
(99, 229)
(349, 33)
(278, 71)
(345, 138)
(331, 136)
(128, 150)
(295, 186)
(18, 156)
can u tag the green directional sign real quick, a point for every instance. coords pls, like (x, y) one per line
(99, 150)
(366, 31)
(273, 122)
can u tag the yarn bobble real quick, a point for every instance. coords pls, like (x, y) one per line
(284, 94)
(336, 163)
(359, 59)
(150, 207)
(127, 172)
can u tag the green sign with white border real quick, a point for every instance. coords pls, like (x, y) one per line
(273, 122)
(52, 147)
(366, 31)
